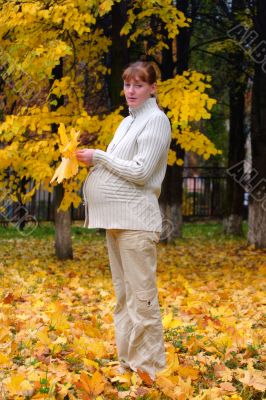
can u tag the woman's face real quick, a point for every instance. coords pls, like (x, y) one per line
(137, 91)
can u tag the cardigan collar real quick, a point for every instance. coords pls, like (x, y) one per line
(148, 105)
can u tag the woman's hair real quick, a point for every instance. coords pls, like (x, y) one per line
(144, 70)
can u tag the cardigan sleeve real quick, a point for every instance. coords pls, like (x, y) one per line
(152, 143)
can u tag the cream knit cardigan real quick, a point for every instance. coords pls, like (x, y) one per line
(122, 189)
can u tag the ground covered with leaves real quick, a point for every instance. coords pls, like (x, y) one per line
(57, 332)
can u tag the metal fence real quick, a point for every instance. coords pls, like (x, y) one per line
(204, 191)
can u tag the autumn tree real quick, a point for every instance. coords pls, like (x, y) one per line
(248, 34)
(172, 190)
(35, 37)
(119, 52)
(257, 183)
(62, 218)
(170, 65)
(237, 82)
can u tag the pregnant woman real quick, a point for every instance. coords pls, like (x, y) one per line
(121, 195)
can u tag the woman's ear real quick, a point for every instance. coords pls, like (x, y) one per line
(153, 87)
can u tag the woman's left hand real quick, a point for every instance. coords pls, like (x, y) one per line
(85, 156)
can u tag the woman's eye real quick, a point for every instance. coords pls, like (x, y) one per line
(127, 85)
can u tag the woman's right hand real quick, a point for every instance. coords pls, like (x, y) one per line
(85, 156)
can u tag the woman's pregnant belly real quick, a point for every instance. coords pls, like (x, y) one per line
(103, 186)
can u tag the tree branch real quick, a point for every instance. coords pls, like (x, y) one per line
(215, 40)
(225, 59)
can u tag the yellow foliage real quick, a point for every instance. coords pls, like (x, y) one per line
(66, 347)
(91, 385)
(138, 22)
(69, 165)
(66, 170)
(170, 322)
(34, 38)
(4, 359)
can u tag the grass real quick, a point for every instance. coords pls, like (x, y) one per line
(201, 229)
(210, 230)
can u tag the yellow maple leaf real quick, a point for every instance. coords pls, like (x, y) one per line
(222, 342)
(227, 387)
(64, 390)
(69, 148)
(166, 386)
(4, 359)
(4, 334)
(170, 322)
(187, 371)
(63, 135)
(124, 378)
(97, 349)
(254, 379)
(69, 165)
(67, 169)
(90, 363)
(59, 321)
(172, 363)
(184, 389)
(14, 386)
(43, 337)
(92, 385)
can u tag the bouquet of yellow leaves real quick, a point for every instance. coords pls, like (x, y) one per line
(69, 164)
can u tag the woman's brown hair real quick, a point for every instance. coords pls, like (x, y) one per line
(144, 70)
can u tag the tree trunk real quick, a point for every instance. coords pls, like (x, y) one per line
(257, 224)
(22, 210)
(171, 199)
(63, 241)
(168, 200)
(172, 187)
(119, 53)
(235, 192)
(257, 206)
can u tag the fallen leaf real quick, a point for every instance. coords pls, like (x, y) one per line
(9, 298)
(186, 371)
(227, 387)
(93, 386)
(145, 377)
(4, 359)
(254, 379)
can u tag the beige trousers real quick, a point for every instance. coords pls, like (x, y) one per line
(138, 326)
